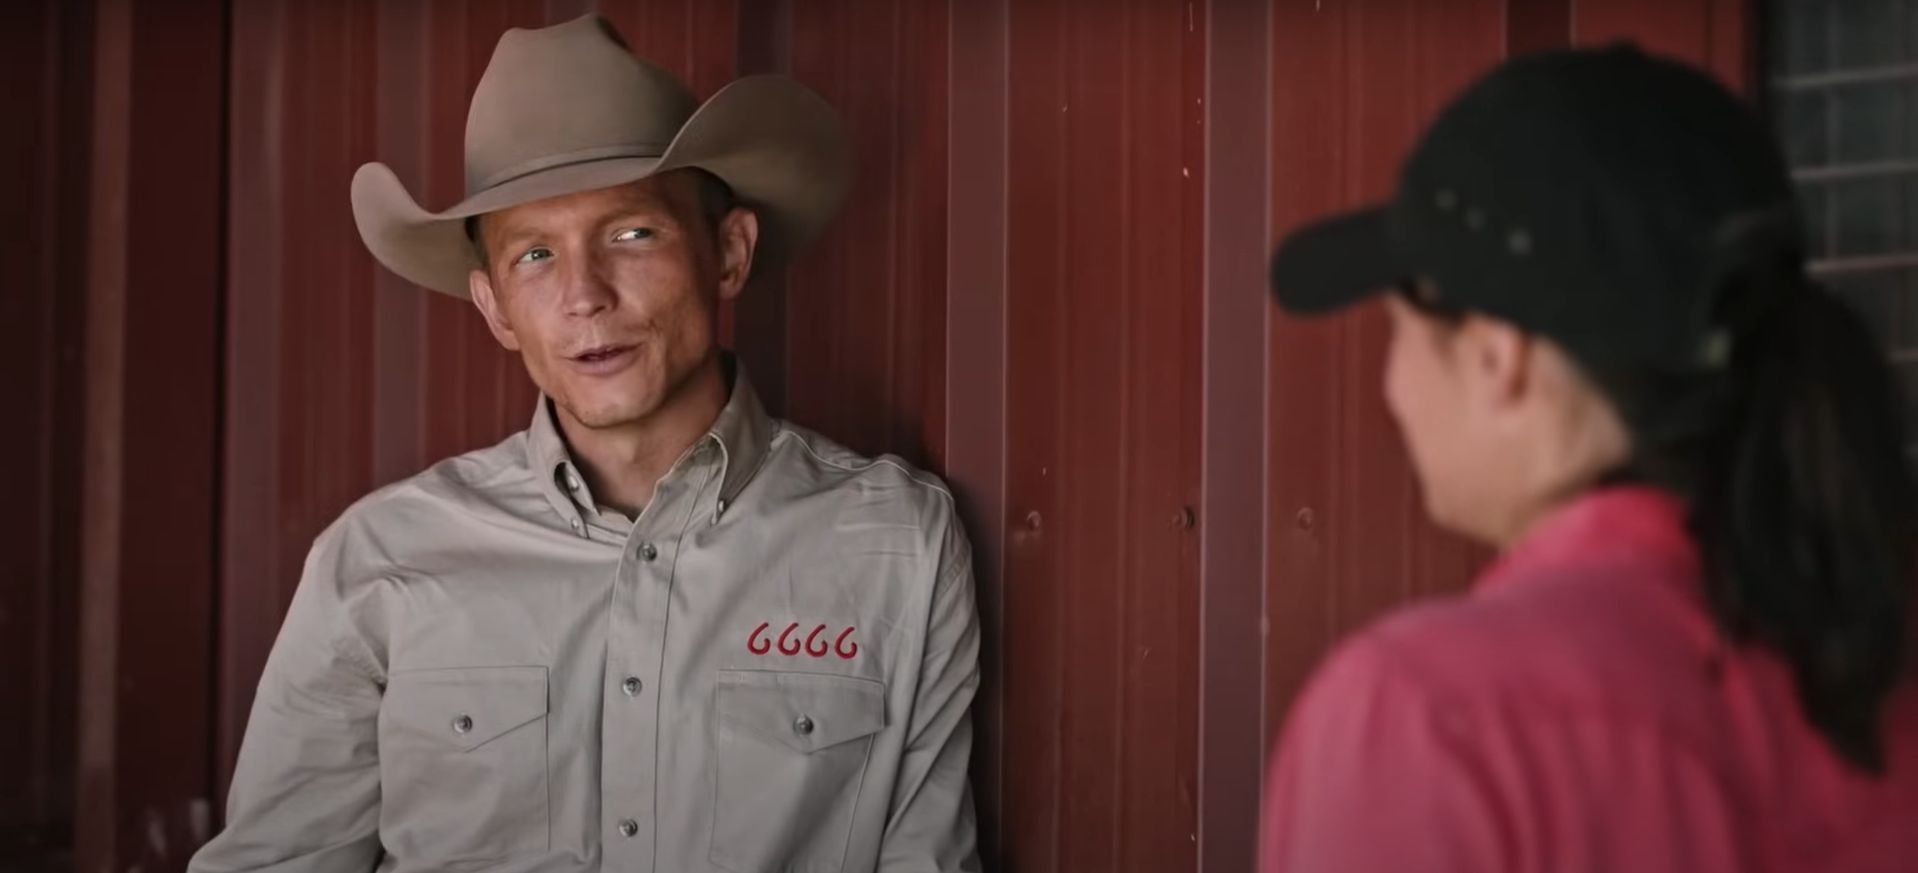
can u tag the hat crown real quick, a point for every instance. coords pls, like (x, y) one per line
(564, 94)
(1587, 194)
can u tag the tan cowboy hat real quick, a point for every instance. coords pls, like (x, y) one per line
(568, 108)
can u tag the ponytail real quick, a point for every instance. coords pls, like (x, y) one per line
(1792, 457)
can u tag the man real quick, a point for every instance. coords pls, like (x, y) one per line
(657, 630)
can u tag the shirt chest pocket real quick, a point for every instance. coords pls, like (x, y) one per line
(463, 763)
(791, 754)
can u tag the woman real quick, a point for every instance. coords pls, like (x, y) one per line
(1608, 361)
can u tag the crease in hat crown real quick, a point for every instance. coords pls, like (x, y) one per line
(529, 113)
(569, 108)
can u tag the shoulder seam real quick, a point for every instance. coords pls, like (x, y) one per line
(917, 477)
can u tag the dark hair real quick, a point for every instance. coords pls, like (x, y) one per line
(1792, 458)
(716, 198)
(716, 201)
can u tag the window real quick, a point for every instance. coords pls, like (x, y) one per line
(1844, 90)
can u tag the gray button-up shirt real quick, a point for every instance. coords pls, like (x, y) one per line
(769, 670)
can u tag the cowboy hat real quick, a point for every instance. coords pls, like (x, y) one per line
(569, 108)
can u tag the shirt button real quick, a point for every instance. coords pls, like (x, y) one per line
(803, 726)
(572, 482)
(575, 524)
(462, 724)
(649, 551)
(628, 828)
(631, 686)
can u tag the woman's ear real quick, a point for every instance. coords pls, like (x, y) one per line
(1499, 357)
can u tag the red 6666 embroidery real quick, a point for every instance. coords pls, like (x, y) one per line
(814, 643)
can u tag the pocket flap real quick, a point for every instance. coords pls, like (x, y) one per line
(803, 711)
(465, 707)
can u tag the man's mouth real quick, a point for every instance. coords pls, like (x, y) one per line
(603, 359)
(597, 354)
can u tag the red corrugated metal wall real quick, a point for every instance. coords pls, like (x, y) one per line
(860, 350)
(1047, 285)
(42, 224)
(1099, 586)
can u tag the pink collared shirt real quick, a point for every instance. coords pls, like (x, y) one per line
(1577, 712)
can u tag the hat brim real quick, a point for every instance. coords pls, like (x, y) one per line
(778, 145)
(1333, 263)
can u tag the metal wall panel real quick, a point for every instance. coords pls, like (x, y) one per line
(150, 433)
(1237, 241)
(977, 377)
(43, 52)
(1102, 427)
(864, 329)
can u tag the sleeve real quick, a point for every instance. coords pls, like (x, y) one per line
(931, 827)
(306, 791)
(1377, 773)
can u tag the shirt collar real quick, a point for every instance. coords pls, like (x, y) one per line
(1638, 526)
(742, 434)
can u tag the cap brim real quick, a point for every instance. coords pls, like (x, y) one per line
(1331, 264)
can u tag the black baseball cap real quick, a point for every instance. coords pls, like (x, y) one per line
(1590, 196)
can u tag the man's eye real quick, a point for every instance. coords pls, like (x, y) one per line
(634, 234)
(540, 253)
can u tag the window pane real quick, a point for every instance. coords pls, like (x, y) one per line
(1844, 75)
(1870, 120)
(1805, 39)
(1867, 33)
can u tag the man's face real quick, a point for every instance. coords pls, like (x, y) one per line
(611, 296)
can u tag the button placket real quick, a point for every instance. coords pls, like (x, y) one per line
(629, 727)
(630, 718)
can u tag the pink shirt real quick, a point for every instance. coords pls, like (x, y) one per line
(1577, 712)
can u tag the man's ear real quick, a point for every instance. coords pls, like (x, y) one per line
(480, 287)
(738, 239)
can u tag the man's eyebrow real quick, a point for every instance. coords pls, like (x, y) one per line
(510, 238)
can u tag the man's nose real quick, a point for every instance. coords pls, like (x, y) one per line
(588, 289)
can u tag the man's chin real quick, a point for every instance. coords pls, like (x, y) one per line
(603, 418)
(610, 412)
(632, 399)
